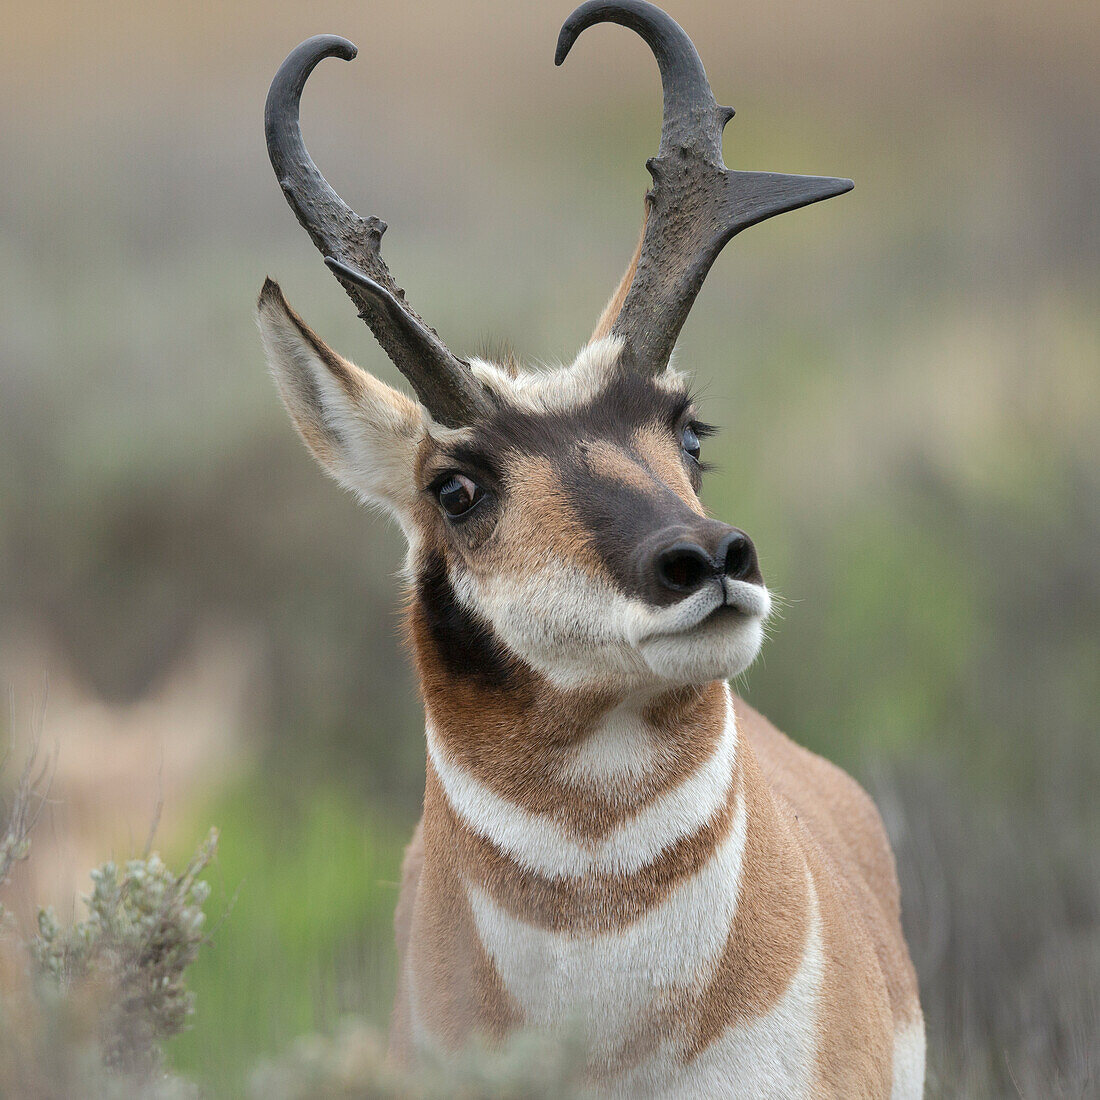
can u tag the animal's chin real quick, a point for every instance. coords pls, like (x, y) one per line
(585, 637)
(722, 645)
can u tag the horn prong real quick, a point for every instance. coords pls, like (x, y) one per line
(696, 204)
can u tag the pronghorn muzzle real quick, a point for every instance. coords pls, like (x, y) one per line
(676, 563)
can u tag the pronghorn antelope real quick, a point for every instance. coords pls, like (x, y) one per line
(610, 840)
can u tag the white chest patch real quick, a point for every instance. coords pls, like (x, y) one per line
(620, 752)
(606, 983)
(770, 1057)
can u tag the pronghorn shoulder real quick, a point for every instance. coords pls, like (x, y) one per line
(847, 841)
(828, 802)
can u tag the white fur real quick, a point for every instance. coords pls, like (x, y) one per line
(563, 388)
(379, 430)
(616, 756)
(607, 983)
(771, 1057)
(540, 844)
(909, 1053)
(578, 629)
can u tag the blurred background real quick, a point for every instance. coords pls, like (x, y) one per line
(908, 381)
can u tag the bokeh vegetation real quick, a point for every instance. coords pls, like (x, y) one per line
(908, 379)
(309, 881)
(86, 1007)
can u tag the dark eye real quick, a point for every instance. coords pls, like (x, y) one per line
(458, 494)
(690, 442)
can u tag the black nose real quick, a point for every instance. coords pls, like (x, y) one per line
(736, 557)
(684, 567)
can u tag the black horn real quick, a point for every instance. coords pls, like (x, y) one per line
(351, 246)
(696, 203)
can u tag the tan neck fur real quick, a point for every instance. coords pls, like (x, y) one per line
(532, 853)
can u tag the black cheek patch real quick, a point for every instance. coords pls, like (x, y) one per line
(464, 643)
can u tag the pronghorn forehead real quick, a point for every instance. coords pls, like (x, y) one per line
(551, 411)
(565, 388)
(569, 387)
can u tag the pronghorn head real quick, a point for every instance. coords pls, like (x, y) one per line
(553, 516)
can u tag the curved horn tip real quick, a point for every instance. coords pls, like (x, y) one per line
(566, 37)
(645, 18)
(575, 22)
(281, 109)
(583, 17)
(329, 45)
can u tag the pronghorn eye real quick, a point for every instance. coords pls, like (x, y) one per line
(458, 494)
(690, 442)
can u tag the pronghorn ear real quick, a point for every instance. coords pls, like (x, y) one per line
(363, 432)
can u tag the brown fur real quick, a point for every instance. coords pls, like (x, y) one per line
(459, 992)
(667, 465)
(836, 811)
(518, 740)
(538, 498)
(807, 822)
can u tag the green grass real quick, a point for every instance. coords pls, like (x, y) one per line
(310, 885)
